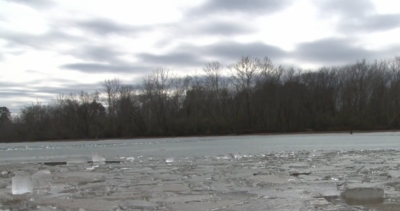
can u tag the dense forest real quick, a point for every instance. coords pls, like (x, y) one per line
(249, 96)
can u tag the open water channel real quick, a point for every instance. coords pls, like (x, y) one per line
(275, 172)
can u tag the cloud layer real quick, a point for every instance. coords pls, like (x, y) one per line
(85, 43)
(255, 7)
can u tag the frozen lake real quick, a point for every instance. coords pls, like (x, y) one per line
(276, 172)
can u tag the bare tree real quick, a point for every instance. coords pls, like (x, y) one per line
(157, 87)
(111, 88)
(245, 74)
(256, 96)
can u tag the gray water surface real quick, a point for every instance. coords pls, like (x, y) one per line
(200, 146)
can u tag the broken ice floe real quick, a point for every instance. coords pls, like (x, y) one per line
(169, 160)
(98, 159)
(22, 183)
(268, 181)
(363, 196)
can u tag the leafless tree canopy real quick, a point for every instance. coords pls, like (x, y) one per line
(249, 96)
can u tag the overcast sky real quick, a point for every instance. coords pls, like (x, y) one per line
(49, 47)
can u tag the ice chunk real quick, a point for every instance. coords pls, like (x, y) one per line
(238, 156)
(365, 195)
(229, 156)
(46, 208)
(77, 160)
(21, 183)
(169, 160)
(96, 158)
(57, 188)
(41, 174)
(131, 159)
(41, 178)
(394, 174)
(91, 168)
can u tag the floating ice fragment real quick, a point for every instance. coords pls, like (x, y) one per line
(41, 178)
(169, 160)
(21, 183)
(227, 157)
(46, 208)
(366, 179)
(131, 159)
(96, 158)
(238, 156)
(41, 174)
(362, 196)
(91, 168)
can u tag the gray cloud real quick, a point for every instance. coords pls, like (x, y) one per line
(204, 28)
(11, 92)
(104, 27)
(254, 7)
(345, 8)
(42, 41)
(330, 51)
(37, 4)
(97, 53)
(31, 89)
(105, 68)
(229, 51)
(224, 28)
(357, 16)
(372, 23)
(184, 55)
(233, 50)
(69, 89)
(338, 51)
(17, 93)
(172, 58)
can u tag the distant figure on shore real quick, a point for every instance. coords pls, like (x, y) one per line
(351, 131)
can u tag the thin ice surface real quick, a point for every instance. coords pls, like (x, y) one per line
(303, 179)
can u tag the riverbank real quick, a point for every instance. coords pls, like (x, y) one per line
(308, 132)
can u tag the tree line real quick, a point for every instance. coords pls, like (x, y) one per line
(249, 96)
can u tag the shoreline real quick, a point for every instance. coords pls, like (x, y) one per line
(217, 135)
